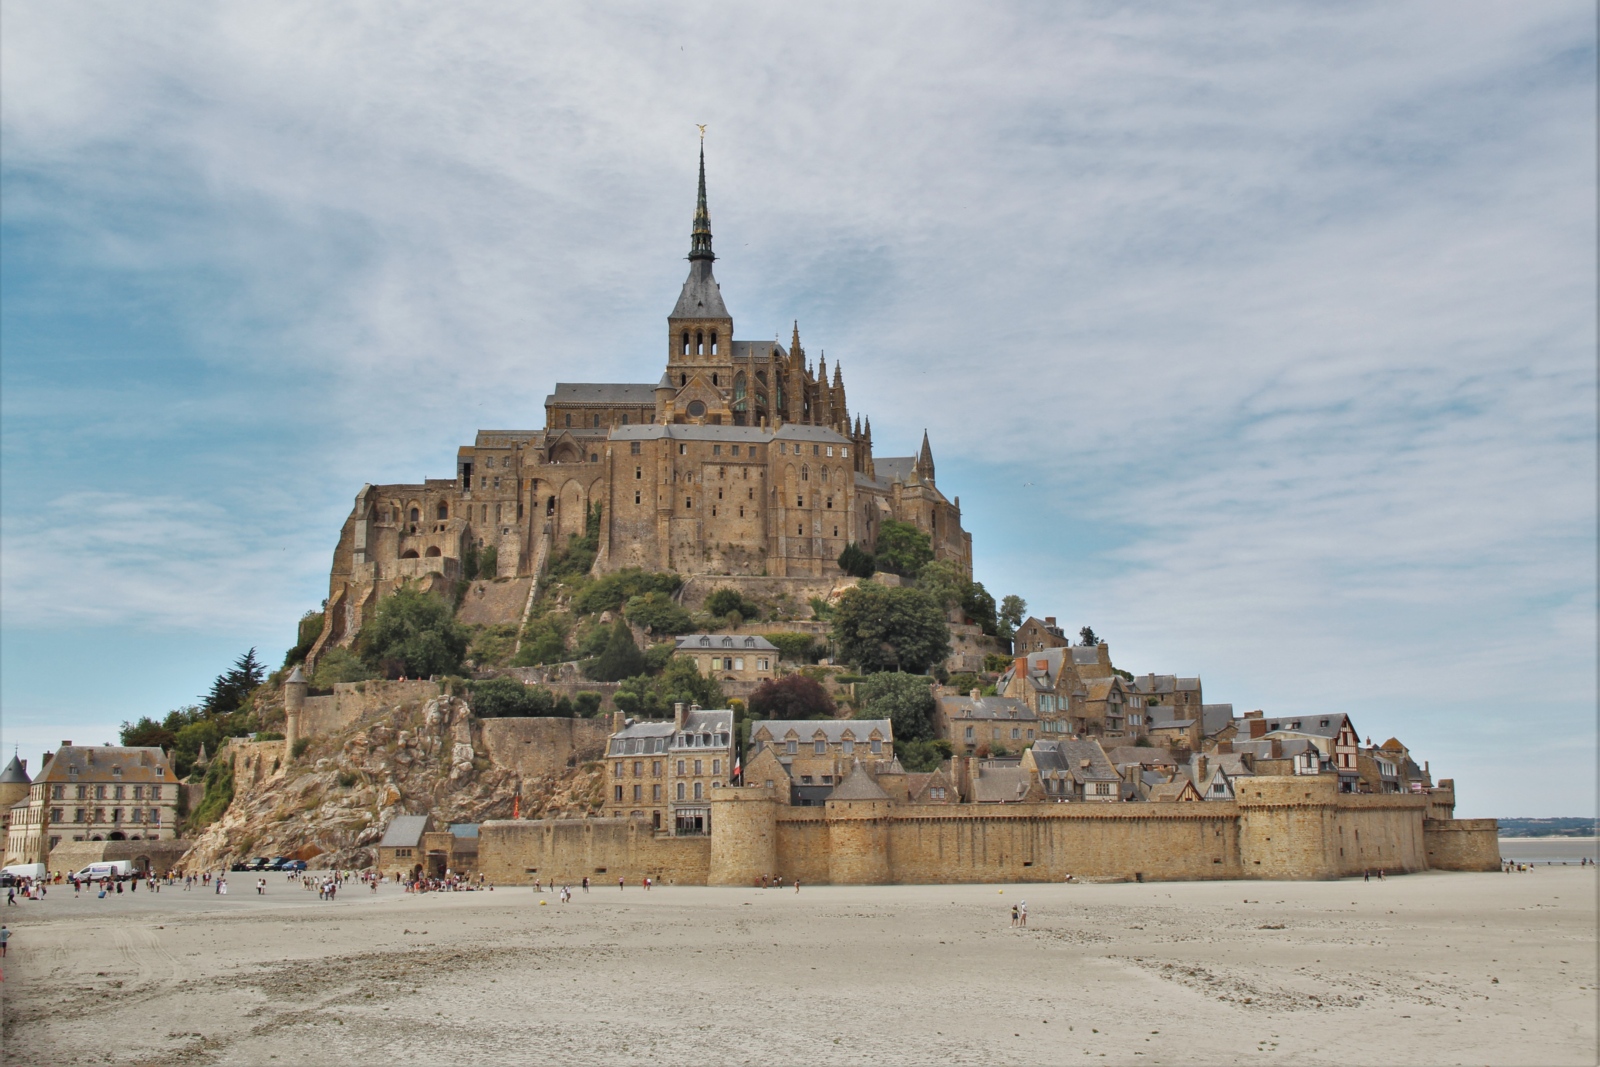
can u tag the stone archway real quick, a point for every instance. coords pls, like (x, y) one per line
(116, 835)
(572, 509)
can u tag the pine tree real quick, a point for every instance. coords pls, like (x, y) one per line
(233, 686)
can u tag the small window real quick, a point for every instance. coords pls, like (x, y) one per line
(683, 450)
(633, 448)
(821, 747)
(735, 450)
(830, 450)
(569, 418)
(638, 497)
(792, 747)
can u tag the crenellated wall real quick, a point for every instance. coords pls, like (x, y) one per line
(1279, 828)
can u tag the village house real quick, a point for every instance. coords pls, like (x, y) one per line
(730, 657)
(401, 850)
(1036, 636)
(1168, 691)
(819, 753)
(1332, 735)
(995, 725)
(1173, 727)
(998, 781)
(1072, 770)
(667, 771)
(95, 793)
(1179, 789)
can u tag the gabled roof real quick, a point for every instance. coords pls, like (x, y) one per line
(760, 351)
(858, 785)
(1157, 684)
(405, 831)
(1006, 784)
(1307, 725)
(987, 708)
(1082, 761)
(1171, 791)
(1215, 718)
(831, 730)
(108, 762)
(730, 642)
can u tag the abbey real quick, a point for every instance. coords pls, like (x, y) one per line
(742, 459)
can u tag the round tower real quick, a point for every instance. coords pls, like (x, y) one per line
(294, 702)
(744, 835)
(14, 783)
(858, 814)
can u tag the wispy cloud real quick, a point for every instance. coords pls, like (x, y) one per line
(1285, 311)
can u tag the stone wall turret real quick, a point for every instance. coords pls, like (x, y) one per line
(294, 702)
(744, 835)
(1288, 826)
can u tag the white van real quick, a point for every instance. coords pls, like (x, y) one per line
(25, 870)
(118, 869)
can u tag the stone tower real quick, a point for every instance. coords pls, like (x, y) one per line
(700, 330)
(858, 831)
(294, 702)
(14, 783)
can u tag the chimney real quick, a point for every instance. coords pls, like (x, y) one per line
(619, 721)
(677, 716)
(1049, 620)
(1224, 746)
(1257, 727)
(1253, 714)
(66, 744)
(1200, 768)
(976, 694)
(1277, 748)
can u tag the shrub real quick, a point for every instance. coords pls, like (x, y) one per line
(906, 700)
(587, 705)
(680, 681)
(413, 634)
(611, 591)
(339, 665)
(488, 562)
(658, 613)
(965, 682)
(726, 601)
(998, 664)
(218, 794)
(300, 746)
(543, 641)
(491, 645)
(857, 561)
(347, 779)
(507, 698)
(795, 647)
(794, 696)
(269, 735)
(310, 629)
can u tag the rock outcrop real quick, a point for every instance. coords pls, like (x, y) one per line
(336, 800)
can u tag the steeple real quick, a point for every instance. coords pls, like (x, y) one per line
(701, 297)
(700, 238)
(924, 464)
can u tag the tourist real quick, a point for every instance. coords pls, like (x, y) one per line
(619, 883)
(5, 936)
(11, 897)
(261, 887)
(586, 883)
(1013, 915)
(797, 885)
(1022, 914)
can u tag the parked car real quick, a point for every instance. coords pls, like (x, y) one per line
(238, 865)
(279, 864)
(295, 865)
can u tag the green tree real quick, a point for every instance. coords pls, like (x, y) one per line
(794, 696)
(857, 561)
(488, 562)
(147, 733)
(924, 755)
(978, 605)
(413, 634)
(1013, 609)
(612, 591)
(507, 698)
(659, 614)
(544, 640)
(234, 686)
(902, 548)
(1087, 638)
(881, 629)
(310, 629)
(680, 682)
(621, 658)
(906, 700)
(587, 704)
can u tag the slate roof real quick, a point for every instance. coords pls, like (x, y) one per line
(652, 431)
(701, 296)
(1123, 755)
(1165, 718)
(760, 351)
(858, 785)
(14, 773)
(405, 831)
(646, 738)
(464, 829)
(791, 431)
(1215, 718)
(1160, 684)
(570, 394)
(101, 763)
(1004, 784)
(891, 469)
(833, 730)
(1310, 725)
(731, 642)
(987, 708)
(1171, 791)
(1065, 759)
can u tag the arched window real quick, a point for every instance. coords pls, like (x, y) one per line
(739, 390)
(433, 550)
(699, 344)
(444, 512)
(713, 342)
(686, 342)
(416, 515)
(805, 473)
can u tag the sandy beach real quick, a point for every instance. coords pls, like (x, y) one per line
(1427, 969)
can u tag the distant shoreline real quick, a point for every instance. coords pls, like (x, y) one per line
(1546, 837)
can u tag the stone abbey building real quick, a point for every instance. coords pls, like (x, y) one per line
(742, 459)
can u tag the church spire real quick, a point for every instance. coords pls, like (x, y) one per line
(700, 239)
(924, 464)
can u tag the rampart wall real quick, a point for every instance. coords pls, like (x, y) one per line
(350, 701)
(1462, 844)
(1279, 828)
(565, 851)
(537, 747)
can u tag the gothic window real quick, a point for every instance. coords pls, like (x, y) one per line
(822, 472)
(714, 380)
(444, 512)
(740, 404)
(713, 342)
(686, 342)
(416, 515)
(805, 473)
(699, 344)
(683, 379)
(624, 419)
(569, 418)
(597, 422)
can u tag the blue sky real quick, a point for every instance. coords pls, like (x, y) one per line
(1260, 338)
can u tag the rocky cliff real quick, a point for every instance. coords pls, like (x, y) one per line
(335, 801)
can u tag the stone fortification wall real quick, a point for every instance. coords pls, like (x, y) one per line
(1279, 828)
(1462, 844)
(563, 680)
(497, 602)
(157, 855)
(535, 748)
(565, 851)
(351, 701)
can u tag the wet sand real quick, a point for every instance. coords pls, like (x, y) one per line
(1426, 969)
